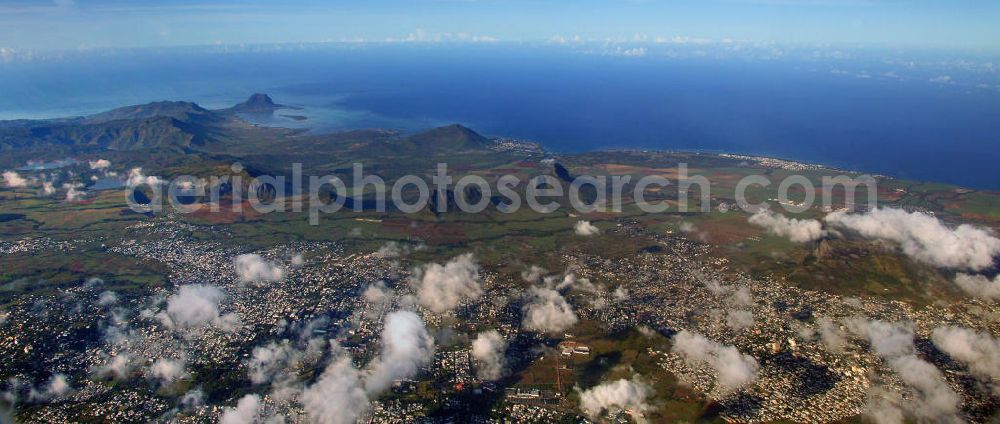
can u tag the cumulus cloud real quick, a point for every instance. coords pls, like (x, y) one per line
(73, 192)
(48, 188)
(167, 370)
(342, 393)
(378, 293)
(406, 346)
(742, 297)
(107, 298)
(623, 394)
(933, 399)
(251, 267)
(193, 398)
(14, 180)
(57, 386)
(739, 319)
(924, 238)
(979, 286)
(136, 178)
(267, 361)
(585, 228)
(547, 311)
(441, 288)
(393, 249)
(533, 274)
(831, 335)
(247, 410)
(99, 164)
(338, 396)
(734, 369)
(797, 230)
(118, 366)
(620, 293)
(197, 305)
(979, 351)
(488, 350)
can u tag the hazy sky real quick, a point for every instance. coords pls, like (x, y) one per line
(71, 24)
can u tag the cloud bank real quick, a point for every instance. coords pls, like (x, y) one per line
(924, 238)
(979, 286)
(796, 230)
(979, 351)
(933, 399)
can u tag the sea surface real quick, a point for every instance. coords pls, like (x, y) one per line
(877, 116)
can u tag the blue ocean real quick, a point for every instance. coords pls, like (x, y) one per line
(867, 114)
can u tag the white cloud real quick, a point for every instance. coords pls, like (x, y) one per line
(99, 164)
(342, 393)
(547, 311)
(571, 282)
(48, 188)
(197, 305)
(742, 297)
(533, 274)
(251, 267)
(942, 79)
(739, 319)
(796, 230)
(73, 192)
(246, 411)
(488, 350)
(117, 366)
(933, 400)
(831, 335)
(167, 370)
(137, 178)
(441, 288)
(734, 369)
(924, 237)
(979, 286)
(107, 298)
(58, 386)
(338, 396)
(393, 249)
(266, 361)
(406, 346)
(980, 351)
(623, 394)
(620, 293)
(13, 180)
(378, 293)
(585, 228)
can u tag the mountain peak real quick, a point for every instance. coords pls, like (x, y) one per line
(173, 109)
(454, 137)
(260, 100)
(257, 103)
